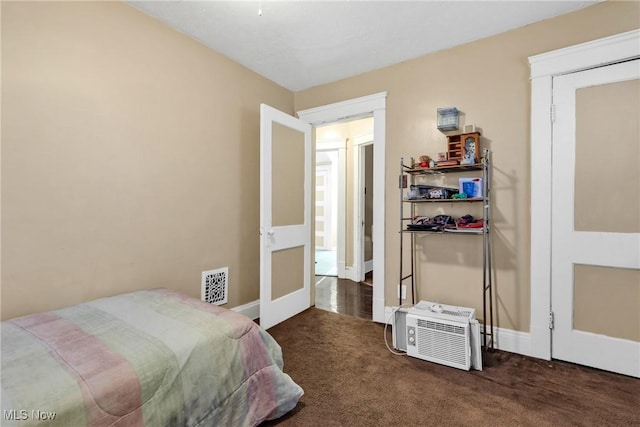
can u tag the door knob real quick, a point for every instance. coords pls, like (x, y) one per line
(271, 232)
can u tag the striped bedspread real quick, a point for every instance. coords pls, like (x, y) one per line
(147, 358)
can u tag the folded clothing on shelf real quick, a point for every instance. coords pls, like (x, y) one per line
(437, 223)
(469, 221)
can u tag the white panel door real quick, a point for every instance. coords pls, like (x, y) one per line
(598, 247)
(285, 216)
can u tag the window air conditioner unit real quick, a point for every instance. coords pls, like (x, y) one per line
(439, 333)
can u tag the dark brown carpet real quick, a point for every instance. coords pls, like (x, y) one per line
(351, 379)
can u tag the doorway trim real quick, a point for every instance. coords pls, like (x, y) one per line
(544, 67)
(375, 105)
(361, 266)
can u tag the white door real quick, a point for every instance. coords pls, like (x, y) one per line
(595, 262)
(285, 216)
(324, 225)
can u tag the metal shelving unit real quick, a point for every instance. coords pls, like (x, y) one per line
(408, 176)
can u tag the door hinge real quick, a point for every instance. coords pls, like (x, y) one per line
(552, 113)
(550, 319)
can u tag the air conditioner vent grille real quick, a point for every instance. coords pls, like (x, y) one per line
(440, 338)
(444, 327)
(444, 346)
(462, 314)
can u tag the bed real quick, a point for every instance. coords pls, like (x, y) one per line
(146, 358)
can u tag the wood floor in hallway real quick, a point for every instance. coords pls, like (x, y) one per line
(344, 296)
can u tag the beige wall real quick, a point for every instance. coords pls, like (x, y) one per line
(489, 81)
(130, 153)
(129, 157)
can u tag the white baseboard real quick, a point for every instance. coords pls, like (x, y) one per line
(505, 339)
(350, 274)
(342, 270)
(513, 341)
(251, 309)
(368, 266)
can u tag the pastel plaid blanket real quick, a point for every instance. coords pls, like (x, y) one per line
(147, 358)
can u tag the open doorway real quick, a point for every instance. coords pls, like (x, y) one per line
(344, 216)
(366, 106)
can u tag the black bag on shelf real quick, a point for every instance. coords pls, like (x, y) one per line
(437, 223)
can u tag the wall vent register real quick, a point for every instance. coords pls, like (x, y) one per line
(215, 286)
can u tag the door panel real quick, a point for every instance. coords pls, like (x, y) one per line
(285, 216)
(607, 154)
(287, 175)
(596, 219)
(290, 279)
(605, 309)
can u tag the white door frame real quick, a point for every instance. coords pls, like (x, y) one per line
(543, 68)
(359, 143)
(353, 108)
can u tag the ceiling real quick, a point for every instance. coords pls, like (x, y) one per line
(302, 44)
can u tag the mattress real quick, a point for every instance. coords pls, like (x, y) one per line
(146, 358)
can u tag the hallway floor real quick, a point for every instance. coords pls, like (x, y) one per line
(344, 296)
